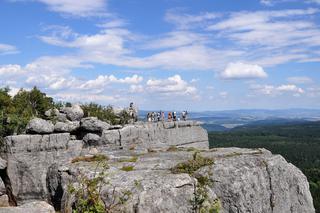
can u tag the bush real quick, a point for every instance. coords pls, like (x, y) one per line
(192, 165)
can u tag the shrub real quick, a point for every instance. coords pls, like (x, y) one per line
(127, 168)
(192, 165)
(99, 157)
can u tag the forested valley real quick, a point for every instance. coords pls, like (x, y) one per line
(298, 143)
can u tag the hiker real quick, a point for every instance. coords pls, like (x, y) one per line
(162, 116)
(174, 116)
(169, 116)
(184, 115)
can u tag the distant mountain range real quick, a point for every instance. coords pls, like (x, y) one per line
(229, 119)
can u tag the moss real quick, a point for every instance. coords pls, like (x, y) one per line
(132, 159)
(233, 154)
(127, 168)
(98, 157)
(192, 165)
(215, 206)
(191, 149)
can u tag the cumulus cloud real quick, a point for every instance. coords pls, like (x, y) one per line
(102, 81)
(11, 70)
(6, 49)
(241, 70)
(300, 80)
(173, 85)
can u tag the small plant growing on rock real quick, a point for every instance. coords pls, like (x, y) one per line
(87, 193)
(99, 157)
(127, 168)
(132, 159)
(192, 165)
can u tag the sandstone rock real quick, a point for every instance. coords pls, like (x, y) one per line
(38, 125)
(66, 126)
(243, 180)
(33, 207)
(157, 135)
(3, 164)
(4, 201)
(93, 124)
(111, 137)
(92, 139)
(258, 183)
(74, 113)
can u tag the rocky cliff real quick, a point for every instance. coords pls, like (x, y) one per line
(144, 167)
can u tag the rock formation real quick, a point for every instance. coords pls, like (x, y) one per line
(139, 159)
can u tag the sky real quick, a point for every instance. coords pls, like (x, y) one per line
(165, 54)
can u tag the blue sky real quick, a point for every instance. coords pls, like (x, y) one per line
(165, 54)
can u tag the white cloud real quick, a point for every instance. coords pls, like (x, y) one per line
(300, 80)
(78, 8)
(11, 70)
(241, 70)
(223, 94)
(174, 85)
(136, 88)
(272, 34)
(267, 2)
(101, 81)
(107, 41)
(6, 49)
(177, 39)
(272, 90)
(273, 2)
(186, 21)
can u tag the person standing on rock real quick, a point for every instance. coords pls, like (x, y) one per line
(169, 116)
(162, 116)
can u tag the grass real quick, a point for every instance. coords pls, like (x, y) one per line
(132, 159)
(93, 158)
(192, 165)
(127, 168)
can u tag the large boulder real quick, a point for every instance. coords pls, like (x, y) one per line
(55, 114)
(74, 113)
(68, 126)
(239, 180)
(93, 124)
(40, 126)
(33, 207)
(91, 139)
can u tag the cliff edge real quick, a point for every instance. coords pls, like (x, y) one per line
(145, 167)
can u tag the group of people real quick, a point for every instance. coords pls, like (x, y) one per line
(160, 116)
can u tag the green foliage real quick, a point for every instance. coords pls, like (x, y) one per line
(99, 157)
(16, 111)
(127, 168)
(192, 165)
(132, 159)
(102, 113)
(298, 143)
(87, 193)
